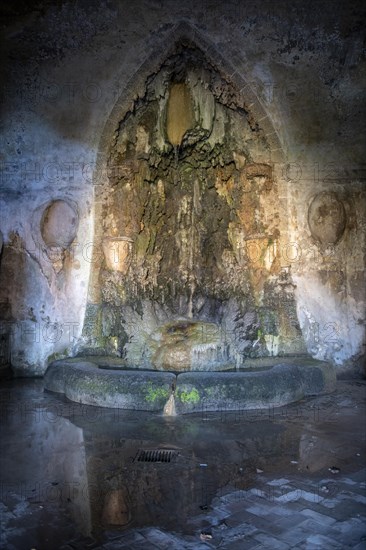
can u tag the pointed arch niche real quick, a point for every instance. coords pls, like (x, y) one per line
(187, 223)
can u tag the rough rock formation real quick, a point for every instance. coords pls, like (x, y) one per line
(209, 160)
(199, 220)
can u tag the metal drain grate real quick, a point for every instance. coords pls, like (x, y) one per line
(156, 455)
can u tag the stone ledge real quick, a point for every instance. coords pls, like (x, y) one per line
(277, 386)
(83, 382)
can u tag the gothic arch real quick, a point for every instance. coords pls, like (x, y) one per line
(186, 209)
(185, 33)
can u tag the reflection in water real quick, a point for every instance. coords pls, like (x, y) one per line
(83, 460)
(125, 492)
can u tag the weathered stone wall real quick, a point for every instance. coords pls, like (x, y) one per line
(72, 72)
(190, 223)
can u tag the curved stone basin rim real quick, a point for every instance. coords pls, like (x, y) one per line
(280, 385)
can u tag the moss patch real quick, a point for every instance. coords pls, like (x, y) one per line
(156, 393)
(189, 396)
(57, 355)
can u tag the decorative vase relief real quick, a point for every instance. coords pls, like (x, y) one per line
(193, 278)
(327, 218)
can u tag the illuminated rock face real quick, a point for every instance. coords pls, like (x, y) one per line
(191, 215)
(190, 345)
(180, 117)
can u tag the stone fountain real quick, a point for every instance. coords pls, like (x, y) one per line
(191, 298)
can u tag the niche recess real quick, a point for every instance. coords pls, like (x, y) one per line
(188, 219)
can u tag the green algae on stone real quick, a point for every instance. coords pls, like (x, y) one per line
(156, 393)
(57, 355)
(191, 396)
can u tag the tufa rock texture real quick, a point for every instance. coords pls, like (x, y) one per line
(182, 163)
